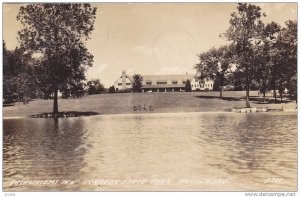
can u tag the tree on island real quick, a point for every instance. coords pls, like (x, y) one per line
(56, 34)
(137, 83)
(245, 25)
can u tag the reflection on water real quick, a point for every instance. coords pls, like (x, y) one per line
(249, 151)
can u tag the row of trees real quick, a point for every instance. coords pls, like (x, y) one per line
(265, 54)
(20, 81)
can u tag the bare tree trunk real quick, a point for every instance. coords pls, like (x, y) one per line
(221, 92)
(247, 93)
(247, 98)
(264, 93)
(55, 104)
(275, 94)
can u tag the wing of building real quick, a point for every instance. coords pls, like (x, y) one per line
(163, 83)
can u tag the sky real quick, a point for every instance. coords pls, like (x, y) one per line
(153, 38)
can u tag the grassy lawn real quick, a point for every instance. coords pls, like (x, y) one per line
(162, 102)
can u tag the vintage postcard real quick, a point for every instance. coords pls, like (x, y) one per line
(150, 97)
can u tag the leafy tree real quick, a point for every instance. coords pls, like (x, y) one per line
(283, 57)
(245, 25)
(14, 61)
(5, 59)
(112, 89)
(77, 90)
(288, 42)
(58, 33)
(137, 83)
(216, 64)
(73, 90)
(266, 71)
(95, 87)
(18, 82)
(188, 86)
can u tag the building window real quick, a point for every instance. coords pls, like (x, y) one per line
(183, 82)
(174, 82)
(119, 84)
(128, 84)
(148, 83)
(161, 82)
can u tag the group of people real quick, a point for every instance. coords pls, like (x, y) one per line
(143, 108)
(25, 100)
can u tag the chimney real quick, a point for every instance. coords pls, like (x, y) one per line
(123, 80)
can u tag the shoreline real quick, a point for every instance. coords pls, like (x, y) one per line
(156, 113)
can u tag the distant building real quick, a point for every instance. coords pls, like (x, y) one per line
(163, 83)
(206, 85)
(124, 82)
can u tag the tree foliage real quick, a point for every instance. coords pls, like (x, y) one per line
(216, 64)
(94, 87)
(188, 86)
(18, 81)
(264, 55)
(137, 83)
(57, 33)
(245, 26)
(112, 89)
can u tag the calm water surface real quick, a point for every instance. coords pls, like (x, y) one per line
(175, 151)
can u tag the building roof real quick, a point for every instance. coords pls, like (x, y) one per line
(164, 77)
(163, 86)
(152, 78)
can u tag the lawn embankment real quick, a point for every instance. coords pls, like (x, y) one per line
(162, 102)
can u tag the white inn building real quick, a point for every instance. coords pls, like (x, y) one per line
(163, 83)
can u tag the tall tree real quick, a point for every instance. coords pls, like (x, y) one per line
(265, 53)
(245, 25)
(18, 82)
(217, 65)
(58, 32)
(288, 42)
(5, 58)
(137, 83)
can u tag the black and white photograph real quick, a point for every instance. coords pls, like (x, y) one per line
(147, 97)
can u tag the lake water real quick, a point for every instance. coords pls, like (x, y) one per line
(146, 152)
